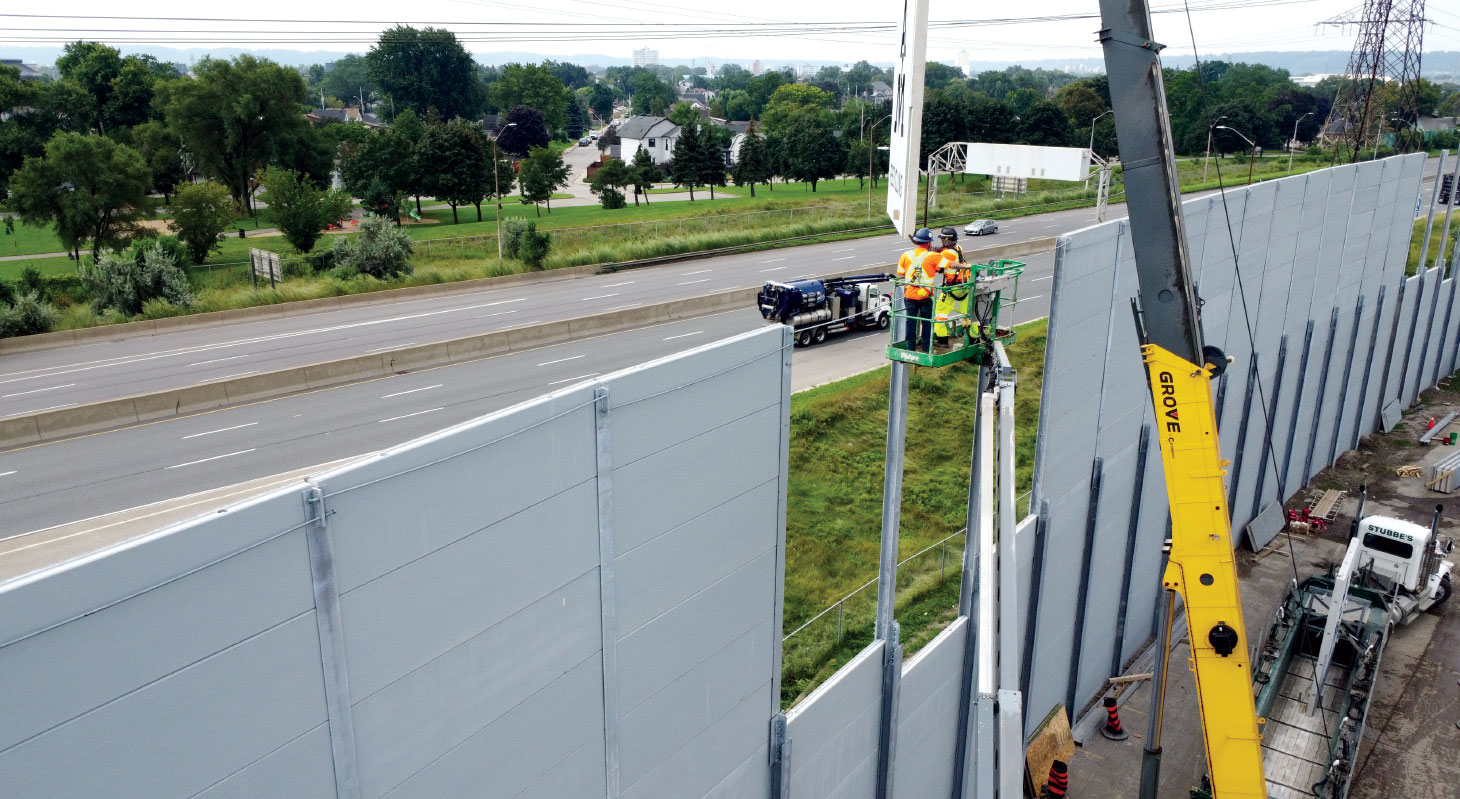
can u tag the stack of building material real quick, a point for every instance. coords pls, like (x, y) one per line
(1441, 475)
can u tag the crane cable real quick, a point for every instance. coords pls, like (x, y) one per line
(1252, 347)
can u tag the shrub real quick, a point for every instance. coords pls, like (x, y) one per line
(512, 230)
(170, 246)
(7, 293)
(28, 315)
(321, 261)
(611, 199)
(200, 212)
(534, 246)
(122, 283)
(379, 250)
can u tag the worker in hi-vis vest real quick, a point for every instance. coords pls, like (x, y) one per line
(952, 302)
(919, 267)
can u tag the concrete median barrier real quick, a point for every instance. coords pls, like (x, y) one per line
(93, 417)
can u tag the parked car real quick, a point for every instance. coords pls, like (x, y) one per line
(979, 227)
(584, 142)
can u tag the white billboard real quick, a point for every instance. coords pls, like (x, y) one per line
(907, 117)
(1027, 161)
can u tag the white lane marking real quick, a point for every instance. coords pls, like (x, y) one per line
(616, 285)
(391, 347)
(230, 377)
(409, 415)
(7, 474)
(218, 360)
(490, 315)
(684, 335)
(563, 360)
(214, 458)
(600, 297)
(220, 430)
(571, 379)
(692, 282)
(1027, 299)
(622, 307)
(696, 272)
(33, 374)
(1046, 277)
(775, 269)
(849, 249)
(34, 391)
(412, 391)
(40, 410)
(844, 258)
(773, 260)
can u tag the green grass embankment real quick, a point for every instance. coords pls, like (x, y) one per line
(833, 522)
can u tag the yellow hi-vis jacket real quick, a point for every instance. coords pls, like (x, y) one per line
(920, 271)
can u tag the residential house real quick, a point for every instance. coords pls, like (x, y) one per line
(732, 156)
(657, 135)
(324, 116)
(880, 91)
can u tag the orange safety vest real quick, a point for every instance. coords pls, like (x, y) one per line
(920, 281)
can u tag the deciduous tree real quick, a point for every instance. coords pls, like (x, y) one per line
(299, 208)
(426, 68)
(533, 86)
(91, 188)
(542, 173)
(752, 165)
(201, 212)
(455, 165)
(813, 151)
(609, 181)
(234, 116)
(645, 174)
(521, 130)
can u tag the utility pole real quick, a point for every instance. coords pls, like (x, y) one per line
(497, 190)
(1293, 143)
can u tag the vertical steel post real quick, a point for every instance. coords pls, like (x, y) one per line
(608, 601)
(1266, 457)
(1298, 397)
(1353, 344)
(1036, 581)
(1318, 402)
(1235, 477)
(1409, 341)
(1393, 339)
(1010, 776)
(1424, 249)
(1092, 520)
(968, 578)
(330, 625)
(1130, 547)
(1368, 370)
(1151, 755)
(983, 765)
(892, 496)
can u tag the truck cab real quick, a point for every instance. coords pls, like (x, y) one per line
(1407, 557)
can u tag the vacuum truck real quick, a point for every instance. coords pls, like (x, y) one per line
(815, 307)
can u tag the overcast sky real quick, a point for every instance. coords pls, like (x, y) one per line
(1261, 25)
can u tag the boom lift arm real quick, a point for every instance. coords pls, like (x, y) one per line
(1180, 370)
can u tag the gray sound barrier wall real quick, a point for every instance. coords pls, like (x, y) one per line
(834, 732)
(927, 721)
(566, 598)
(1320, 338)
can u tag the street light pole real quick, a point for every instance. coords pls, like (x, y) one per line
(1250, 143)
(497, 190)
(1292, 143)
(871, 154)
(1091, 148)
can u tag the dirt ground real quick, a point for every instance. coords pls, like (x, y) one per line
(1411, 741)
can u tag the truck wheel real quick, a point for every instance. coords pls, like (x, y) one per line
(883, 320)
(820, 335)
(803, 338)
(1444, 592)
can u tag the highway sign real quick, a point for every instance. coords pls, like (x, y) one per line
(265, 264)
(907, 117)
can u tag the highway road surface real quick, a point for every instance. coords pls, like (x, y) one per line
(108, 369)
(102, 370)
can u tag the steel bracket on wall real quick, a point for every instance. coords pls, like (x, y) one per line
(330, 625)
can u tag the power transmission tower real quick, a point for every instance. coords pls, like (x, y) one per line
(1380, 91)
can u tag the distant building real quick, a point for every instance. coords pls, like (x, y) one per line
(756, 68)
(645, 57)
(805, 72)
(27, 71)
(881, 91)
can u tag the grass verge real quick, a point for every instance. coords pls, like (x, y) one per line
(833, 520)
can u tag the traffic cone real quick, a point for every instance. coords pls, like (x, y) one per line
(1112, 728)
(1058, 784)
